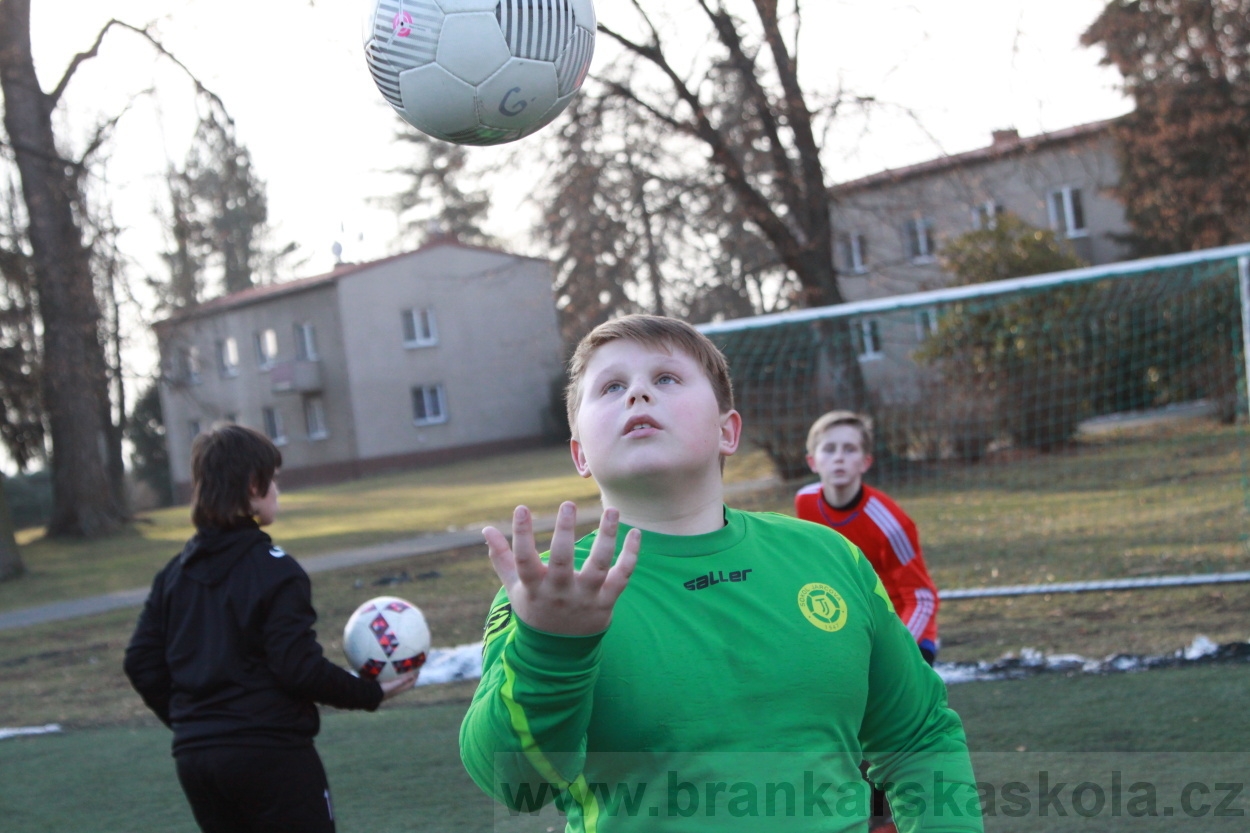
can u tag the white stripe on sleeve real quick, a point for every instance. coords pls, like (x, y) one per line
(887, 523)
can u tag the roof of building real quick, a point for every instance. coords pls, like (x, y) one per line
(268, 292)
(1005, 143)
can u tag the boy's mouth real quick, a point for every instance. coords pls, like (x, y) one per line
(640, 425)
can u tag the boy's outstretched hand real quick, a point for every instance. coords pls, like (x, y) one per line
(399, 685)
(553, 597)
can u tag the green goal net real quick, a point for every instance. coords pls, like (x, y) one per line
(1125, 377)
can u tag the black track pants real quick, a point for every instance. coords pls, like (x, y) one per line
(247, 789)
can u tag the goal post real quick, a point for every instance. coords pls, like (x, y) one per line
(986, 370)
(1038, 373)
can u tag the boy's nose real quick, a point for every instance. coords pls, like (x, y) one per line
(639, 392)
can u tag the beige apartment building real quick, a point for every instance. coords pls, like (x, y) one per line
(890, 226)
(446, 352)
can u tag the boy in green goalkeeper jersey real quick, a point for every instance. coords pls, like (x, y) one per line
(691, 667)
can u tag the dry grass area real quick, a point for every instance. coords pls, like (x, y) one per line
(1167, 500)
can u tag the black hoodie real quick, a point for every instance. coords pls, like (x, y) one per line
(225, 653)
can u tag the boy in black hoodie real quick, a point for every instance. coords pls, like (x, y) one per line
(225, 653)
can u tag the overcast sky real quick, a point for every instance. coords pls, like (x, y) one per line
(293, 75)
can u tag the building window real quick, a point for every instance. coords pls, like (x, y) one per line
(869, 338)
(273, 425)
(428, 405)
(985, 215)
(926, 323)
(228, 357)
(189, 365)
(918, 239)
(419, 327)
(1067, 214)
(853, 249)
(305, 342)
(266, 349)
(315, 418)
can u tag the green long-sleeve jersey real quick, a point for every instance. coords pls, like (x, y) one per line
(744, 676)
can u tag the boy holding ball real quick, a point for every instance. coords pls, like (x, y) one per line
(225, 653)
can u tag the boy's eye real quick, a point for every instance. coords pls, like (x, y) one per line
(612, 387)
(666, 379)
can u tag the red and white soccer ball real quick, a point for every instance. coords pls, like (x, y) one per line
(386, 637)
(479, 72)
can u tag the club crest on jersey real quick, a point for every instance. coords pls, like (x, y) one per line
(821, 605)
(277, 552)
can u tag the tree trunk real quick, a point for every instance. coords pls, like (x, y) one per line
(83, 502)
(11, 565)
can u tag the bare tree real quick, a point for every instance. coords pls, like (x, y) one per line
(74, 387)
(735, 145)
(788, 201)
(76, 342)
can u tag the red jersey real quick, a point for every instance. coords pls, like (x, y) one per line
(888, 538)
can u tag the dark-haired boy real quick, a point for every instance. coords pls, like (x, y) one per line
(722, 670)
(225, 653)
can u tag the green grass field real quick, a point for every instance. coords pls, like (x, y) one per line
(1162, 500)
(399, 770)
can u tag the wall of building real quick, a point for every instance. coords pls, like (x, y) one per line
(496, 354)
(243, 396)
(1018, 182)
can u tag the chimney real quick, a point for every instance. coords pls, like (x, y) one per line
(1002, 138)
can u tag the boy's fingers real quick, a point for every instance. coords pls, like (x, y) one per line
(618, 577)
(529, 568)
(601, 552)
(560, 559)
(501, 556)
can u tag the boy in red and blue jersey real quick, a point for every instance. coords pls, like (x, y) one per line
(838, 449)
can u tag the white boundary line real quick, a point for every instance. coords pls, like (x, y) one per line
(979, 290)
(1094, 586)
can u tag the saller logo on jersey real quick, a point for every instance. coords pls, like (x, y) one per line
(715, 577)
(822, 606)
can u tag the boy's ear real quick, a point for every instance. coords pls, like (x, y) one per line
(811, 464)
(867, 462)
(579, 458)
(730, 432)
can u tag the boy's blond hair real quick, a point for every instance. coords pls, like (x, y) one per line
(650, 331)
(861, 421)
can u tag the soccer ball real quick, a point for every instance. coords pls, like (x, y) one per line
(479, 72)
(386, 637)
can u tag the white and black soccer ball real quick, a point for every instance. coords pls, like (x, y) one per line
(479, 72)
(386, 637)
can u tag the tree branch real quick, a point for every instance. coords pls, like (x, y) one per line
(55, 96)
(799, 119)
(746, 68)
(754, 203)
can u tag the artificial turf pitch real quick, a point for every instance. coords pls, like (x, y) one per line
(399, 770)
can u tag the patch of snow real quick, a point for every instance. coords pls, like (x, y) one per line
(1200, 647)
(48, 728)
(449, 665)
